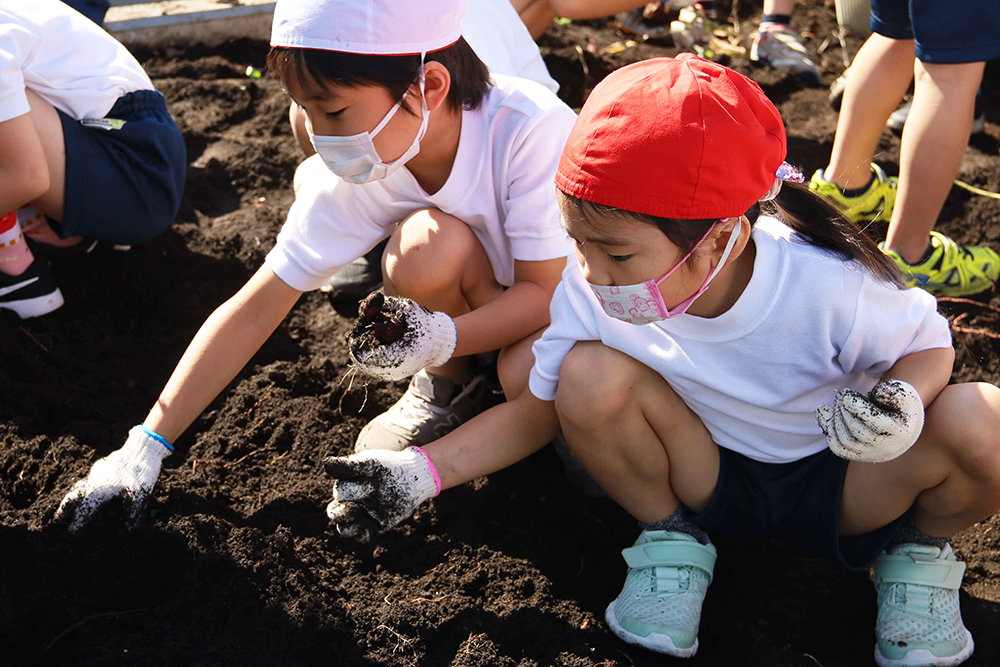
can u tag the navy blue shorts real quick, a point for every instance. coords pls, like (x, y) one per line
(944, 31)
(92, 9)
(797, 503)
(125, 172)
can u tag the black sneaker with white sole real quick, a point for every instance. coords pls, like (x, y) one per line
(32, 293)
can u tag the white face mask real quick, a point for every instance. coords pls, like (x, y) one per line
(642, 303)
(354, 158)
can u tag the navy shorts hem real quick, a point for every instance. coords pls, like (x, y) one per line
(124, 173)
(942, 33)
(797, 503)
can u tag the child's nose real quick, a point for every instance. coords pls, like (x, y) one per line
(590, 273)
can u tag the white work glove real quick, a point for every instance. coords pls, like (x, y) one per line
(129, 472)
(873, 428)
(376, 489)
(395, 337)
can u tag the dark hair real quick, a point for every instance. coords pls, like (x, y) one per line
(312, 68)
(805, 212)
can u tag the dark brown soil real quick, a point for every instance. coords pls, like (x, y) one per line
(237, 566)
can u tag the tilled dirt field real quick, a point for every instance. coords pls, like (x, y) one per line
(236, 564)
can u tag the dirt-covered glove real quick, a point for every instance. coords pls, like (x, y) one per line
(129, 472)
(376, 489)
(395, 337)
(873, 428)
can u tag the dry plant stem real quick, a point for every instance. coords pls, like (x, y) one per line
(80, 623)
(35, 340)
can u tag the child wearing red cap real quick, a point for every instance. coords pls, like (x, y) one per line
(417, 143)
(729, 355)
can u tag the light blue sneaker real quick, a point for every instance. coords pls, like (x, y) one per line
(919, 622)
(659, 607)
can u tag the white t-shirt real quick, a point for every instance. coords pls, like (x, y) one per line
(64, 57)
(499, 37)
(806, 325)
(501, 185)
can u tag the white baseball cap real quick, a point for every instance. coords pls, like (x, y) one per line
(373, 27)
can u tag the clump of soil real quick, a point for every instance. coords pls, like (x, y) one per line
(237, 564)
(381, 322)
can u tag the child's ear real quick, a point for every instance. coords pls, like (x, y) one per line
(720, 236)
(437, 84)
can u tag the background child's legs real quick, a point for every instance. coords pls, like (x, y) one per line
(634, 434)
(936, 134)
(536, 15)
(436, 260)
(880, 75)
(951, 476)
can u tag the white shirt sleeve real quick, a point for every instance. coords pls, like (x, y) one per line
(330, 224)
(531, 212)
(13, 98)
(572, 321)
(889, 324)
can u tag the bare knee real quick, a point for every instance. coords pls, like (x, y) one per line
(427, 254)
(595, 383)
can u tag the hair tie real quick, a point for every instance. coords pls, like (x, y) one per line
(786, 172)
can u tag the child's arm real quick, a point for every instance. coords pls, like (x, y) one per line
(927, 371)
(519, 312)
(221, 348)
(224, 344)
(375, 490)
(24, 173)
(886, 422)
(592, 9)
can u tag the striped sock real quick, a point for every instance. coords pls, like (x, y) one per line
(908, 533)
(678, 522)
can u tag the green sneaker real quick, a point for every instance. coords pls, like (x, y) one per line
(875, 205)
(659, 607)
(919, 623)
(951, 269)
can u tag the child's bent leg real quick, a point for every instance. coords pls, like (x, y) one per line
(951, 479)
(50, 131)
(951, 476)
(436, 260)
(650, 452)
(634, 435)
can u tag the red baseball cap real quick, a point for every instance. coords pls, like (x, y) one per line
(680, 137)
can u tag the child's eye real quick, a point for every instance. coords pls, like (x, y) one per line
(620, 258)
(334, 114)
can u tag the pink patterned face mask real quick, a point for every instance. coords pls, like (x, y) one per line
(642, 303)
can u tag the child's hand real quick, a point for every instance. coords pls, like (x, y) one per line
(377, 489)
(395, 337)
(873, 428)
(129, 472)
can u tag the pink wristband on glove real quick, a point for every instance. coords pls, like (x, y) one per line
(433, 468)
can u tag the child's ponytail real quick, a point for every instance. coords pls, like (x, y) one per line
(813, 218)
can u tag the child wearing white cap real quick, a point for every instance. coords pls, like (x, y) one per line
(415, 142)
